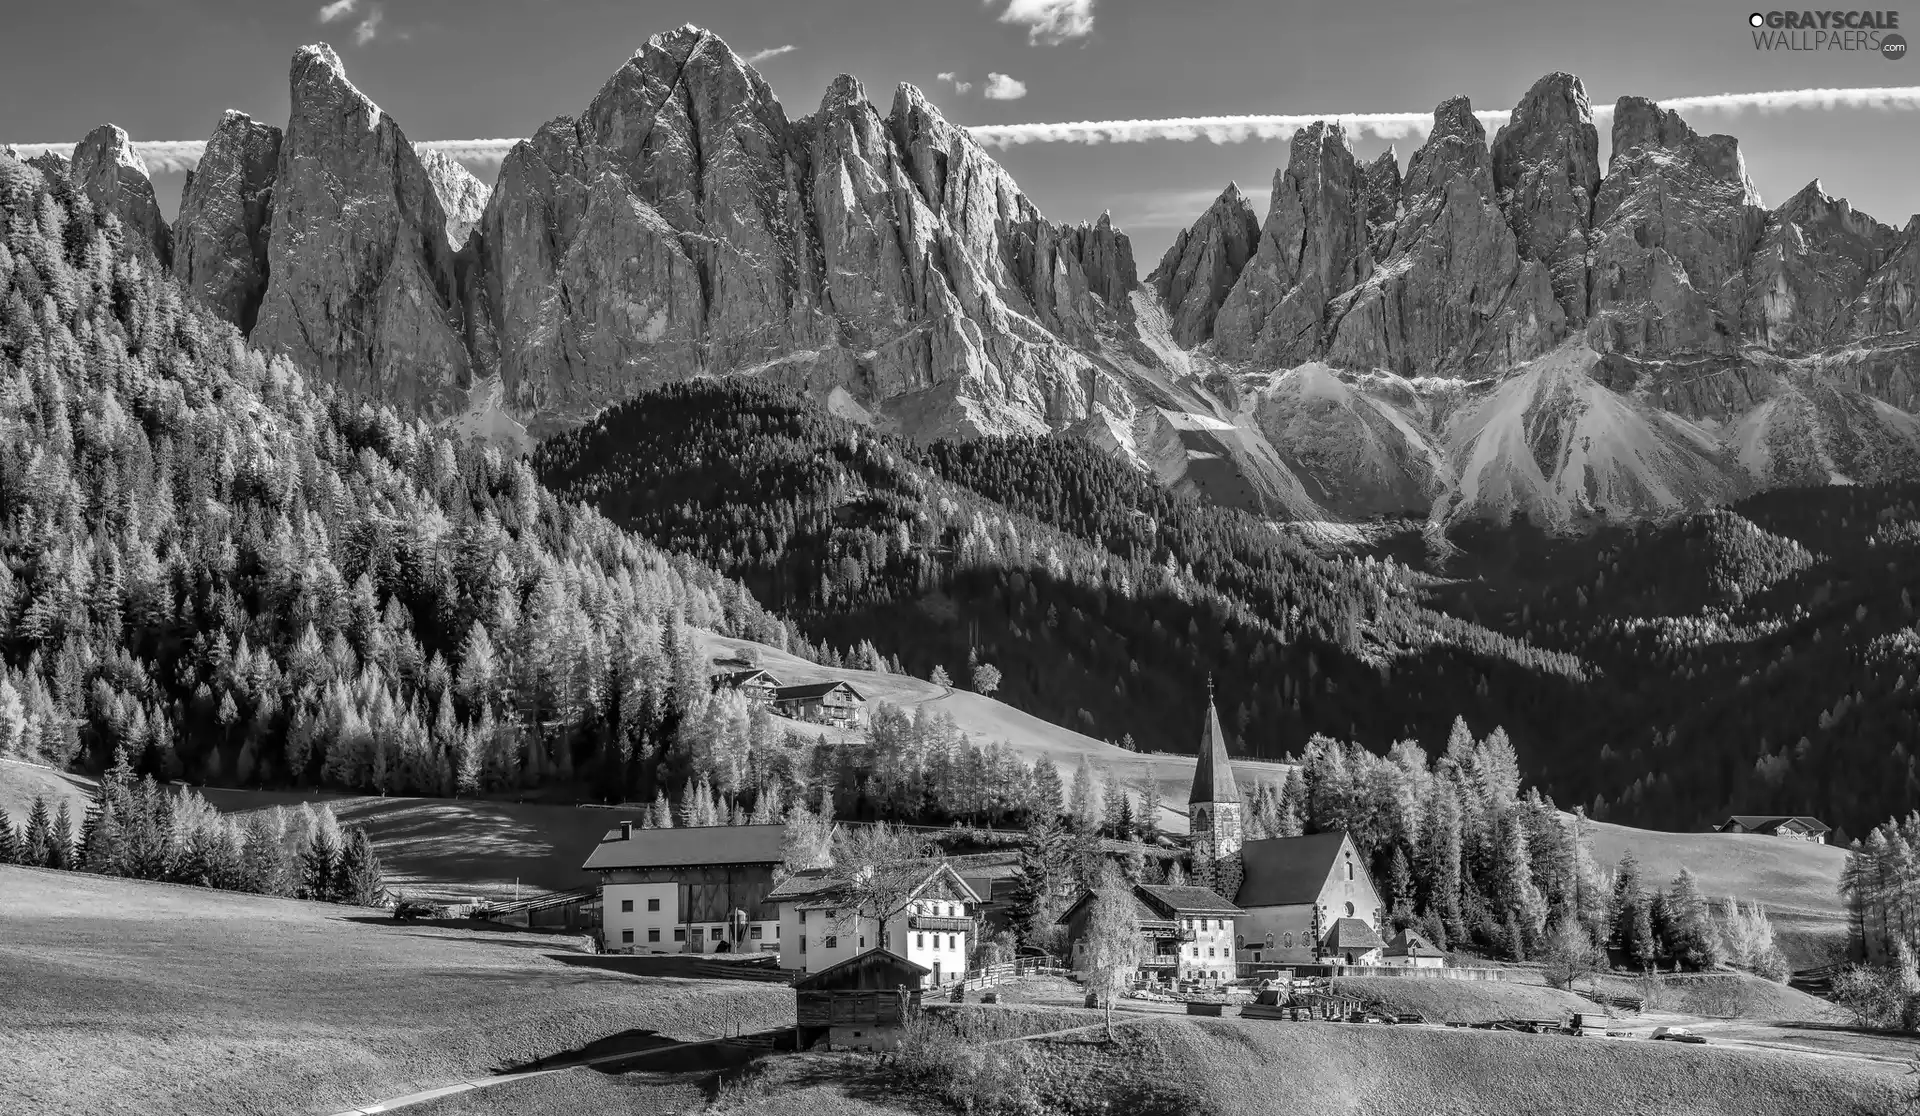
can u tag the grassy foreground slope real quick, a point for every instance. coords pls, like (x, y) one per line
(142, 998)
(1259, 1068)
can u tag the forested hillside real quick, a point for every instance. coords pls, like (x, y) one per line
(227, 575)
(1759, 659)
(1103, 601)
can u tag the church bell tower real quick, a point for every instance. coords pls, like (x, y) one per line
(1216, 812)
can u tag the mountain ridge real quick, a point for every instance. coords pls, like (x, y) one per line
(683, 225)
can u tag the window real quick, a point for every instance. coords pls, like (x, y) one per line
(1203, 925)
(1349, 869)
(803, 917)
(626, 905)
(1226, 951)
(863, 941)
(1289, 939)
(626, 935)
(1240, 940)
(953, 941)
(679, 933)
(803, 943)
(753, 932)
(653, 904)
(919, 941)
(1349, 910)
(833, 941)
(653, 933)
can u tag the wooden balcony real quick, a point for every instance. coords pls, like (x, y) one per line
(943, 925)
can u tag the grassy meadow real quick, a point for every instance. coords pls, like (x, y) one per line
(143, 998)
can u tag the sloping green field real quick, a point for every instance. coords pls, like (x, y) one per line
(152, 999)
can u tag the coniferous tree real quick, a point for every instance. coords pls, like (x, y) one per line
(10, 851)
(38, 844)
(1048, 794)
(320, 865)
(362, 881)
(60, 850)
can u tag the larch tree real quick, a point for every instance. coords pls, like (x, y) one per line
(1111, 948)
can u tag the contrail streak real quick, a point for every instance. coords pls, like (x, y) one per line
(182, 155)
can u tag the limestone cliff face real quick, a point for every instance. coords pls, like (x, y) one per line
(111, 173)
(1312, 247)
(1546, 170)
(1203, 263)
(1812, 263)
(1454, 297)
(226, 212)
(361, 288)
(683, 226)
(462, 196)
(1674, 223)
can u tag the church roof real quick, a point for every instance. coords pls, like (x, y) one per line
(1287, 871)
(1213, 774)
(1353, 933)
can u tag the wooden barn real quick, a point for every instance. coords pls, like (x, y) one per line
(861, 1003)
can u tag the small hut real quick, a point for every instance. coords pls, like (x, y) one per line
(859, 1004)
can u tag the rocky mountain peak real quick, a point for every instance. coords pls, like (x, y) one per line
(1312, 247)
(360, 274)
(1639, 122)
(462, 196)
(226, 211)
(1202, 264)
(1546, 170)
(1455, 148)
(108, 169)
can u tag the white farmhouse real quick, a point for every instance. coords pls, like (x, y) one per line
(702, 889)
(933, 924)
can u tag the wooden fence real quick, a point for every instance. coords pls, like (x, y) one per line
(1253, 970)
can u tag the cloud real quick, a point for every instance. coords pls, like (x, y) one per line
(1401, 125)
(760, 56)
(339, 9)
(1000, 87)
(369, 27)
(180, 155)
(954, 80)
(1050, 22)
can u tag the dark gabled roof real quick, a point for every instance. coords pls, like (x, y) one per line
(1213, 773)
(1145, 915)
(1410, 943)
(821, 883)
(690, 847)
(1767, 822)
(1286, 871)
(813, 689)
(1353, 933)
(859, 969)
(740, 678)
(1179, 901)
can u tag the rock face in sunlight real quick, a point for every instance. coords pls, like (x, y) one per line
(683, 225)
(108, 169)
(361, 286)
(226, 211)
(1498, 326)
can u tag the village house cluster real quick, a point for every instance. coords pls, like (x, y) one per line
(1253, 908)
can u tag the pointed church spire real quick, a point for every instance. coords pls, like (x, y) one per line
(1213, 774)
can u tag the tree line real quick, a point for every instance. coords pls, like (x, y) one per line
(136, 829)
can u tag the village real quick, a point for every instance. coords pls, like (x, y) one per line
(1256, 927)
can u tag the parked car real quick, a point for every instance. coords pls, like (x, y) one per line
(1677, 1034)
(408, 909)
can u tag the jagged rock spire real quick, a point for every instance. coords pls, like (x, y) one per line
(1213, 774)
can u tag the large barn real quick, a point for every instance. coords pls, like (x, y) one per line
(700, 889)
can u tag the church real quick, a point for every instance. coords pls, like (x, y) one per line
(1304, 900)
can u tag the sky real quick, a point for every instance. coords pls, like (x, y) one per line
(165, 70)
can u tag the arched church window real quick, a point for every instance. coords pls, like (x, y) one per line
(1349, 910)
(1289, 939)
(1240, 940)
